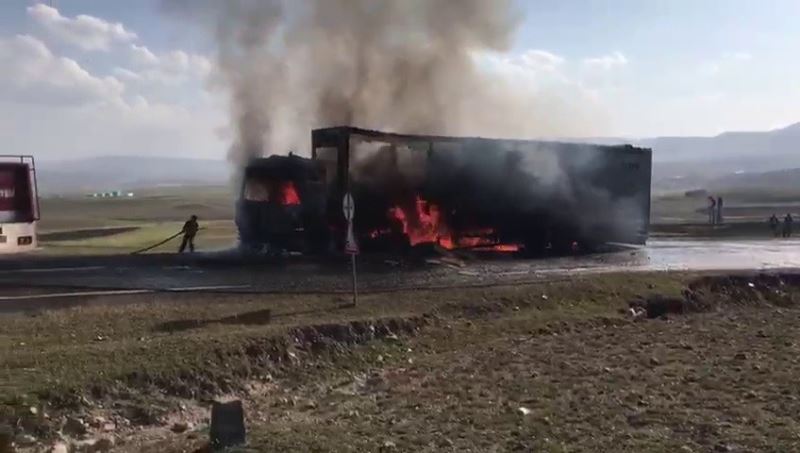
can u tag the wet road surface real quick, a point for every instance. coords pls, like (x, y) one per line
(222, 272)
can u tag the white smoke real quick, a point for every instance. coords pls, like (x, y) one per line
(405, 66)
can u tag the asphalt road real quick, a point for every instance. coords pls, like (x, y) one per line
(229, 273)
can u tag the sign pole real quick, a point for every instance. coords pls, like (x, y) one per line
(355, 279)
(351, 246)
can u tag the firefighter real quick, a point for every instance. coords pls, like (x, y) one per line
(189, 231)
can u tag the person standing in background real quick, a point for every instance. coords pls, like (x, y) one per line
(719, 210)
(774, 223)
(788, 222)
(712, 214)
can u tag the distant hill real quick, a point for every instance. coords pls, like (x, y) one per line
(679, 163)
(127, 173)
(691, 162)
(776, 181)
(777, 145)
(757, 151)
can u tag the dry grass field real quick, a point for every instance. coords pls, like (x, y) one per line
(558, 366)
(80, 225)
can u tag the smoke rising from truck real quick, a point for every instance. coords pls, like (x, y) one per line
(407, 66)
(410, 66)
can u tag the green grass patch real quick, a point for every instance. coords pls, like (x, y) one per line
(215, 235)
(200, 341)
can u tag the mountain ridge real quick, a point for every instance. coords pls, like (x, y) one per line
(693, 158)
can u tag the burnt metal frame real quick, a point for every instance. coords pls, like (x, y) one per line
(327, 137)
(339, 137)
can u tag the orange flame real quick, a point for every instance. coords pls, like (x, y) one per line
(426, 226)
(289, 195)
(505, 248)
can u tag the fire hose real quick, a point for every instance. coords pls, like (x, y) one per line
(160, 243)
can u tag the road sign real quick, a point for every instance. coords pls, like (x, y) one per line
(348, 207)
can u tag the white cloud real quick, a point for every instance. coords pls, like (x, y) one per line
(47, 102)
(564, 105)
(151, 102)
(126, 74)
(532, 61)
(167, 68)
(606, 62)
(33, 74)
(540, 60)
(726, 61)
(141, 55)
(84, 32)
(178, 61)
(710, 69)
(738, 56)
(140, 127)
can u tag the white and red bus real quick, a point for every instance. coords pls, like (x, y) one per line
(19, 204)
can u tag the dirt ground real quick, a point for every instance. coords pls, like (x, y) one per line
(514, 379)
(560, 366)
(713, 382)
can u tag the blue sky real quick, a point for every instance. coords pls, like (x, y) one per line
(648, 67)
(695, 67)
(665, 38)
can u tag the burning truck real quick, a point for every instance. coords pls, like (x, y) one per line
(515, 196)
